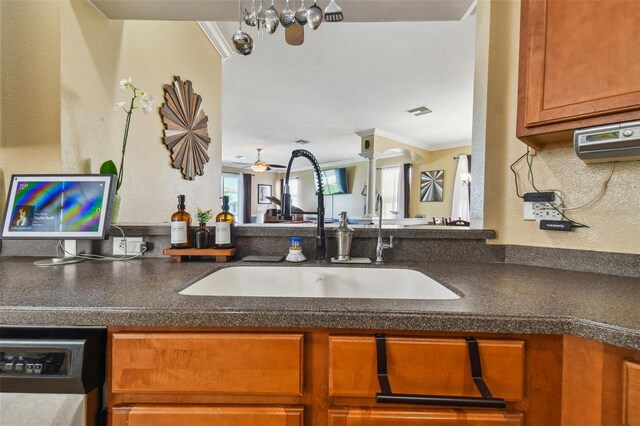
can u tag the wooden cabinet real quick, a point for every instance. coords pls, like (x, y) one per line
(417, 417)
(199, 378)
(187, 362)
(600, 384)
(425, 366)
(197, 415)
(229, 377)
(579, 67)
(631, 393)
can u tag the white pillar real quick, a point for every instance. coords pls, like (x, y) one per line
(371, 184)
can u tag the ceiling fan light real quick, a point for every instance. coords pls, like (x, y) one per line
(259, 166)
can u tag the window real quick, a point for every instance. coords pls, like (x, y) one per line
(231, 188)
(293, 190)
(390, 191)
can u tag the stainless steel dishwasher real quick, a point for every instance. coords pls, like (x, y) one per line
(52, 376)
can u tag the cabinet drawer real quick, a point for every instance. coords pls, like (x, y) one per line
(631, 393)
(425, 366)
(196, 415)
(230, 363)
(457, 417)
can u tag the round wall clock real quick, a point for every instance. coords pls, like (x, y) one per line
(185, 125)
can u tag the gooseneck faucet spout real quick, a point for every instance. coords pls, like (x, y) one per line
(321, 247)
(380, 246)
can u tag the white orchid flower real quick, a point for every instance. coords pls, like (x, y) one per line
(146, 103)
(119, 105)
(125, 82)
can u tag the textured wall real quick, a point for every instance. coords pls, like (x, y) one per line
(29, 90)
(613, 220)
(96, 53)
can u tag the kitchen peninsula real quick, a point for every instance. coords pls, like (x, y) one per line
(541, 316)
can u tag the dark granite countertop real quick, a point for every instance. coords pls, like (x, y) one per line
(501, 298)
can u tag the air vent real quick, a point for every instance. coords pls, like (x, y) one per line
(240, 157)
(302, 142)
(419, 111)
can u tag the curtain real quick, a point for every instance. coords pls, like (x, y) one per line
(245, 194)
(392, 191)
(460, 202)
(406, 177)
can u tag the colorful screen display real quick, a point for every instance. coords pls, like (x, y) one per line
(58, 206)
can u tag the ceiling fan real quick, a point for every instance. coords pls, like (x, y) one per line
(260, 166)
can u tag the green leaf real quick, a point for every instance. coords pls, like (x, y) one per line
(108, 168)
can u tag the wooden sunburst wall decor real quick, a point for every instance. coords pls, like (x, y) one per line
(185, 125)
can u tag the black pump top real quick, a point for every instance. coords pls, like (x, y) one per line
(181, 205)
(225, 203)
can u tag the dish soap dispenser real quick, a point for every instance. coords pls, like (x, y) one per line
(180, 223)
(224, 226)
(344, 234)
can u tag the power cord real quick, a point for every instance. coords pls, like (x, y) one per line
(515, 174)
(599, 195)
(125, 256)
(529, 160)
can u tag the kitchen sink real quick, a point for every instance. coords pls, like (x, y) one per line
(283, 281)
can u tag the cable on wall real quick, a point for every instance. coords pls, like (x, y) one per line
(599, 195)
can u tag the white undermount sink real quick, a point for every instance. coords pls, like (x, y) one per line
(283, 281)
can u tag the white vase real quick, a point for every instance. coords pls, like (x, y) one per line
(115, 208)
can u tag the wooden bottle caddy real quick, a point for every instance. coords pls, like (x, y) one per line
(221, 255)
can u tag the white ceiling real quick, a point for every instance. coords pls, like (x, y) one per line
(227, 10)
(346, 77)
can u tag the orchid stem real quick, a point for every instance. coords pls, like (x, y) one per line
(124, 140)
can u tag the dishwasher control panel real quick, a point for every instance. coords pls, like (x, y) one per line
(35, 362)
(59, 360)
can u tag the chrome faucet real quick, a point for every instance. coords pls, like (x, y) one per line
(380, 246)
(321, 247)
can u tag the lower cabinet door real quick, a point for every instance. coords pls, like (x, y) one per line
(631, 393)
(196, 415)
(407, 417)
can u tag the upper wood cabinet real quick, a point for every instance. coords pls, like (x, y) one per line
(579, 67)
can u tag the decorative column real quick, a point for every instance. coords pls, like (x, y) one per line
(371, 184)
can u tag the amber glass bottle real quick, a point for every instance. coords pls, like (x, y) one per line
(180, 222)
(224, 226)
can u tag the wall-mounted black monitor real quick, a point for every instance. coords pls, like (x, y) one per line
(58, 207)
(334, 181)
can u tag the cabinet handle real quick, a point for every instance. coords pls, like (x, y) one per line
(386, 395)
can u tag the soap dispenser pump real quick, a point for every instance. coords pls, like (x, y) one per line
(344, 234)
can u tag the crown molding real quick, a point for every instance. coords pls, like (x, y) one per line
(367, 132)
(216, 38)
(411, 142)
(389, 135)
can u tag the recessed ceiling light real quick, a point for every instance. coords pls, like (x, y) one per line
(240, 157)
(419, 111)
(302, 142)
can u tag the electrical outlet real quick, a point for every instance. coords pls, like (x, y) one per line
(530, 207)
(134, 245)
(528, 211)
(547, 214)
